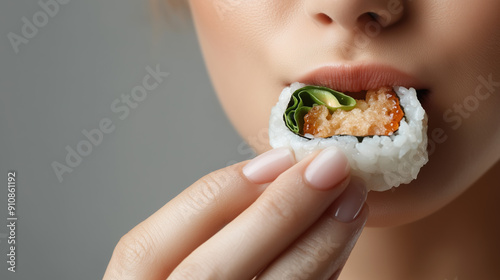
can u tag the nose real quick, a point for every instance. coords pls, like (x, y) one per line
(352, 13)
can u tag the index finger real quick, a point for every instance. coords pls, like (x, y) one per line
(287, 208)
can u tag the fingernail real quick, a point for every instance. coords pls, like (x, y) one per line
(328, 169)
(351, 201)
(269, 165)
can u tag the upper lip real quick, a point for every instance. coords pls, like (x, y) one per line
(356, 78)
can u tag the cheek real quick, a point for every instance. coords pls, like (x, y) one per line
(461, 50)
(462, 37)
(464, 49)
(233, 36)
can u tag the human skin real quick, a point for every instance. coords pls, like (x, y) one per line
(253, 49)
(234, 222)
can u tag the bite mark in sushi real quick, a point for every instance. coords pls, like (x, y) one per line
(378, 114)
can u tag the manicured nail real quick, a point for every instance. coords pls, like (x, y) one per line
(329, 168)
(351, 201)
(269, 165)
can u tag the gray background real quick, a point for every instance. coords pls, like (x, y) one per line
(63, 81)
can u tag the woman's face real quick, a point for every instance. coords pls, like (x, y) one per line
(253, 49)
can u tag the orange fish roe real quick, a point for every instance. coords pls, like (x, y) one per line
(379, 114)
(395, 112)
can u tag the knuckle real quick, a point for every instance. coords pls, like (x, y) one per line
(135, 249)
(211, 187)
(279, 206)
(313, 250)
(307, 261)
(205, 194)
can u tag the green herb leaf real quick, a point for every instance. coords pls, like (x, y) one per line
(306, 97)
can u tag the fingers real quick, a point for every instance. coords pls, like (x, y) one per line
(286, 209)
(322, 250)
(156, 246)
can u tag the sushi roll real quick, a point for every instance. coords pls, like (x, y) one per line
(383, 132)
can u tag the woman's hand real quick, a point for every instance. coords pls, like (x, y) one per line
(271, 217)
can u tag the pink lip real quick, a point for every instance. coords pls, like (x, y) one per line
(355, 78)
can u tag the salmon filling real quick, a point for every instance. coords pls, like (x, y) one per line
(379, 114)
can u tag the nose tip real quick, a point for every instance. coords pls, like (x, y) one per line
(352, 13)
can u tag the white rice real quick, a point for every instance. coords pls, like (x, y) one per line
(382, 161)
